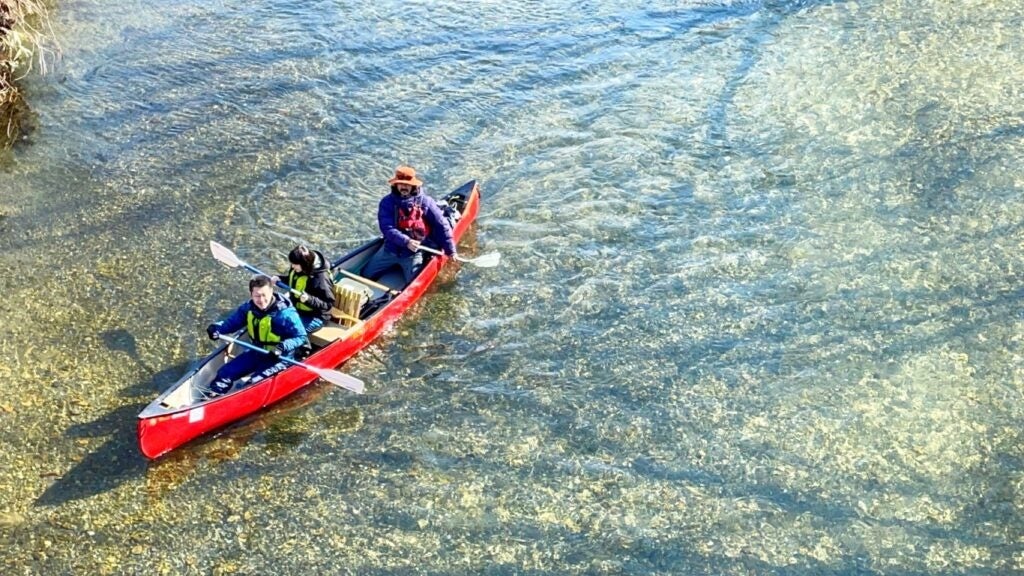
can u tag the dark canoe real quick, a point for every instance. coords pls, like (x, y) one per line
(180, 414)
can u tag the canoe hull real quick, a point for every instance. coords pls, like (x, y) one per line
(163, 427)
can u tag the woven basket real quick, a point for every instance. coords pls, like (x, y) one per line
(349, 297)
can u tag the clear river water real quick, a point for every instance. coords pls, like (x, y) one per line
(757, 311)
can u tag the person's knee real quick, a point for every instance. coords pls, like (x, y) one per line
(220, 386)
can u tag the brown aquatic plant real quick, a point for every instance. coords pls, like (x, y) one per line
(27, 44)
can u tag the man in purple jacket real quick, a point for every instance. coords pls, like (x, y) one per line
(407, 218)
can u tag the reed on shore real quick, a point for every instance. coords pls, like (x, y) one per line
(26, 45)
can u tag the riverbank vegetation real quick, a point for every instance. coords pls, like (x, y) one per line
(25, 45)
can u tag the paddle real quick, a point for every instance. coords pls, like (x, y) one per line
(368, 282)
(333, 376)
(225, 256)
(486, 261)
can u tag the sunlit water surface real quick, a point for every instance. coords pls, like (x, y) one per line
(757, 313)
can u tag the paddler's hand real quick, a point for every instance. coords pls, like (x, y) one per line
(413, 245)
(277, 352)
(303, 297)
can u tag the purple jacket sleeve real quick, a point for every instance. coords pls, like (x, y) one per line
(393, 237)
(440, 229)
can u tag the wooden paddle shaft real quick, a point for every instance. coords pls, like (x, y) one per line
(367, 281)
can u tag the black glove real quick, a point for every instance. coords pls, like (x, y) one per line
(212, 332)
(277, 351)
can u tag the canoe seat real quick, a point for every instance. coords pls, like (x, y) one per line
(331, 332)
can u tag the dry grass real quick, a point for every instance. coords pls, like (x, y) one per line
(26, 44)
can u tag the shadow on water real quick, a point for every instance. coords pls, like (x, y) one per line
(643, 554)
(940, 159)
(121, 340)
(631, 551)
(281, 428)
(981, 522)
(116, 461)
(760, 31)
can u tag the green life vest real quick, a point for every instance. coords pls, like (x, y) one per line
(260, 331)
(298, 282)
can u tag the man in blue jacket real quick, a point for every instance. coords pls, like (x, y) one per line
(407, 217)
(272, 323)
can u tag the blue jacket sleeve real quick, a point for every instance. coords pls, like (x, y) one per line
(440, 229)
(235, 321)
(288, 325)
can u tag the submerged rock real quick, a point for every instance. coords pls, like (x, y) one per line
(11, 519)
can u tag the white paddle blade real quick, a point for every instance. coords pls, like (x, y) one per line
(487, 260)
(224, 255)
(343, 380)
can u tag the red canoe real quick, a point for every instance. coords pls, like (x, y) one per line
(181, 414)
